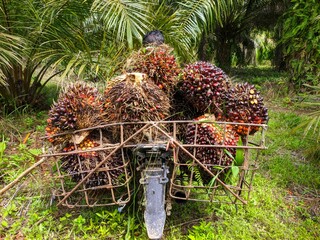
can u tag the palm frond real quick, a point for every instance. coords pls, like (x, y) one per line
(166, 18)
(183, 22)
(125, 18)
(9, 48)
(312, 124)
(194, 15)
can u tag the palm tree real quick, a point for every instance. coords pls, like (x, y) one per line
(237, 19)
(55, 34)
(87, 38)
(9, 49)
(311, 125)
(22, 76)
(181, 21)
(91, 38)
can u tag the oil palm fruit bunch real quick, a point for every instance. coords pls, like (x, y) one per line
(78, 106)
(158, 63)
(244, 104)
(78, 165)
(204, 84)
(87, 144)
(133, 97)
(181, 111)
(207, 132)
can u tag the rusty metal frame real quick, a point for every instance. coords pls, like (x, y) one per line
(237, 192)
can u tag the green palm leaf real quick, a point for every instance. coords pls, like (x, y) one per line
(9, 48)
(312, 124)
(126, 19)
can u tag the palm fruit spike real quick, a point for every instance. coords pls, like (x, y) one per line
(134, 97)
(78, 165)
(78, 107)
(158, 63)
(244, 104)
(204, 84)
(209, 133)
(86, 144)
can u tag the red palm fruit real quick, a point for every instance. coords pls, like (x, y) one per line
(133, 97)
(158, 63)
(243, 104)
(204, 84)
(78, 165)
(207, 132)
(78, 106)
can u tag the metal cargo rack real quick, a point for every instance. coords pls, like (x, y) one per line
(167, 166)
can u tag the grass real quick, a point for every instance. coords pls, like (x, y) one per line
(285, 202)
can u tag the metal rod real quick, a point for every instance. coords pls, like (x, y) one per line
(101, 163)
(263, 126)
(207, 170)
(24, 173)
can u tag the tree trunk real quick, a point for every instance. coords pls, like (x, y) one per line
(202, 52)
(278, 60)
(223, 54)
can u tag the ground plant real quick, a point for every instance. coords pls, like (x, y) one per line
(301, 40)
(284, 203)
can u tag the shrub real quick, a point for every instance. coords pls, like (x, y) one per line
(302, 41)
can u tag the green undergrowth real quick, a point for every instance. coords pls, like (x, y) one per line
(281, 204)
(284, 203)
(268, 216)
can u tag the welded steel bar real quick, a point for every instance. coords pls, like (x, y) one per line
(207, 170)
(102, 162)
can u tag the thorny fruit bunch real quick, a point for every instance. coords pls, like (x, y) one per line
(158, 63)
(78, 165)
(204, 84)
(78, 107)
(207, 132)
(244, 104)
(134, 97)
(86, 144)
